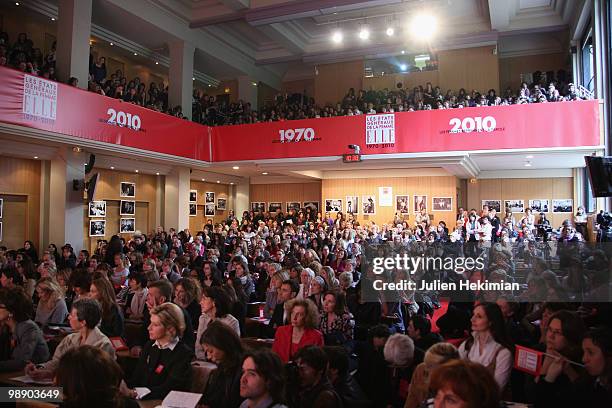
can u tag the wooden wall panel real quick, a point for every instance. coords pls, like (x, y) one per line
(286, 192)
(471, 68)
(510, 69)
(20, 189)
(334, 80)
(221, 191)
(430, 186)
(409, 80)
(107, 189)
(299, 86)
(523, 189)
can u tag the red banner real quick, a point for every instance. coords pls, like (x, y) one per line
(42, 104)
(530, 126)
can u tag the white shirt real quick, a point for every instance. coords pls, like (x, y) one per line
(170, 345)
(503, 363)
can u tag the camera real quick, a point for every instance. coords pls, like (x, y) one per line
(355, 147)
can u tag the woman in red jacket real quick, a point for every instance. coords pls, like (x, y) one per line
(301, 332)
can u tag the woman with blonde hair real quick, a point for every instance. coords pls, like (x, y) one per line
(436, 355)
(276, 282)
(165, 361)
(52, 307)
(149, 267)
(327, 273)
(301, 330)
(112, 320)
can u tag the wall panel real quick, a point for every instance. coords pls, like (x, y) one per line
(523, 189)
(20, 189)
(334, 80)
(429, 185)
(221, 191)
(286, 192)
(471, 68)
(510, 69)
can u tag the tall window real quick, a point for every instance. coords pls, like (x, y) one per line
(588, 62)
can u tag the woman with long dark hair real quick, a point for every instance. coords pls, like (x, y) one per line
(488, 344)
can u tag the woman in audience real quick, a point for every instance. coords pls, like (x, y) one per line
(597, 359)
(488, 343)
(51, 307)
(187, 292)
(165, 361)
(28, 272)
(317, 289)
(463, 384)
(272, 293)
(30, 250)
(121, 270)
(112, 320)
(90, 377)
(137, 296)
(436, 355)
(10, 277)
(239, 300)
(242, 273)
(212, 276)
(301, 332)
(563, 347)
(336, 323)
(83, 318)
(216, 305)
(169, 270)
(222, 346)
(26, 339)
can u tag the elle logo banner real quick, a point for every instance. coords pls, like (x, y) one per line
(39, 97)
(380, 129)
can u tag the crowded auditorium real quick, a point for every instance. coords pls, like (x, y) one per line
(306, 203)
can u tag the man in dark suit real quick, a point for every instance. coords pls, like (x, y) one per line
(495, 223)
(288, 290)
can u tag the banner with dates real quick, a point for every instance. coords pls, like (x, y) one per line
(547, 125)
(38, 103)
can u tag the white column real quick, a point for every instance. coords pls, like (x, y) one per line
(65, 204)
(180, 91)
(241, 197)
(247, 91)
(74, 29)
(176, 199)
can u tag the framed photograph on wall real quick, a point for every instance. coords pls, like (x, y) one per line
(193, 196)
(275, 206)
(257, 206)
(127, 189)
(420, 203)
(127, 225)
(492, 204)
(127, 207)
(385, 196)
(368, 204)
(293, 205)
(539, 205)
(209, 210)
(333, 205)
(516, 206)
(221, 203)
(193, 209)
(442, 203)
(1, 206)
(97, 209)
(209, 197)
(97, 228)
(313, 205)
(352, 205)
(402, 204)
(564, 205)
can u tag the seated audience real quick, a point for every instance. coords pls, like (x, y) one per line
(112, 319)
(488, 344)
(262, 383)
(222, 346)
(26, 339)
(187, 293)
(83, 318)
(215, 305)
(336, 323)
(90, 377)
(137, 297)
(301, 332)
(51, 307)
(165, 362)
(463, 384)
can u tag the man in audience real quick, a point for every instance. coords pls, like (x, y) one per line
(288, 290)
(311, 386)
(262, 383)
(344, 384)
(419, 330)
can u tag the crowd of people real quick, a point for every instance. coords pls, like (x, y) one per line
(177, 298)
(214, 111)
